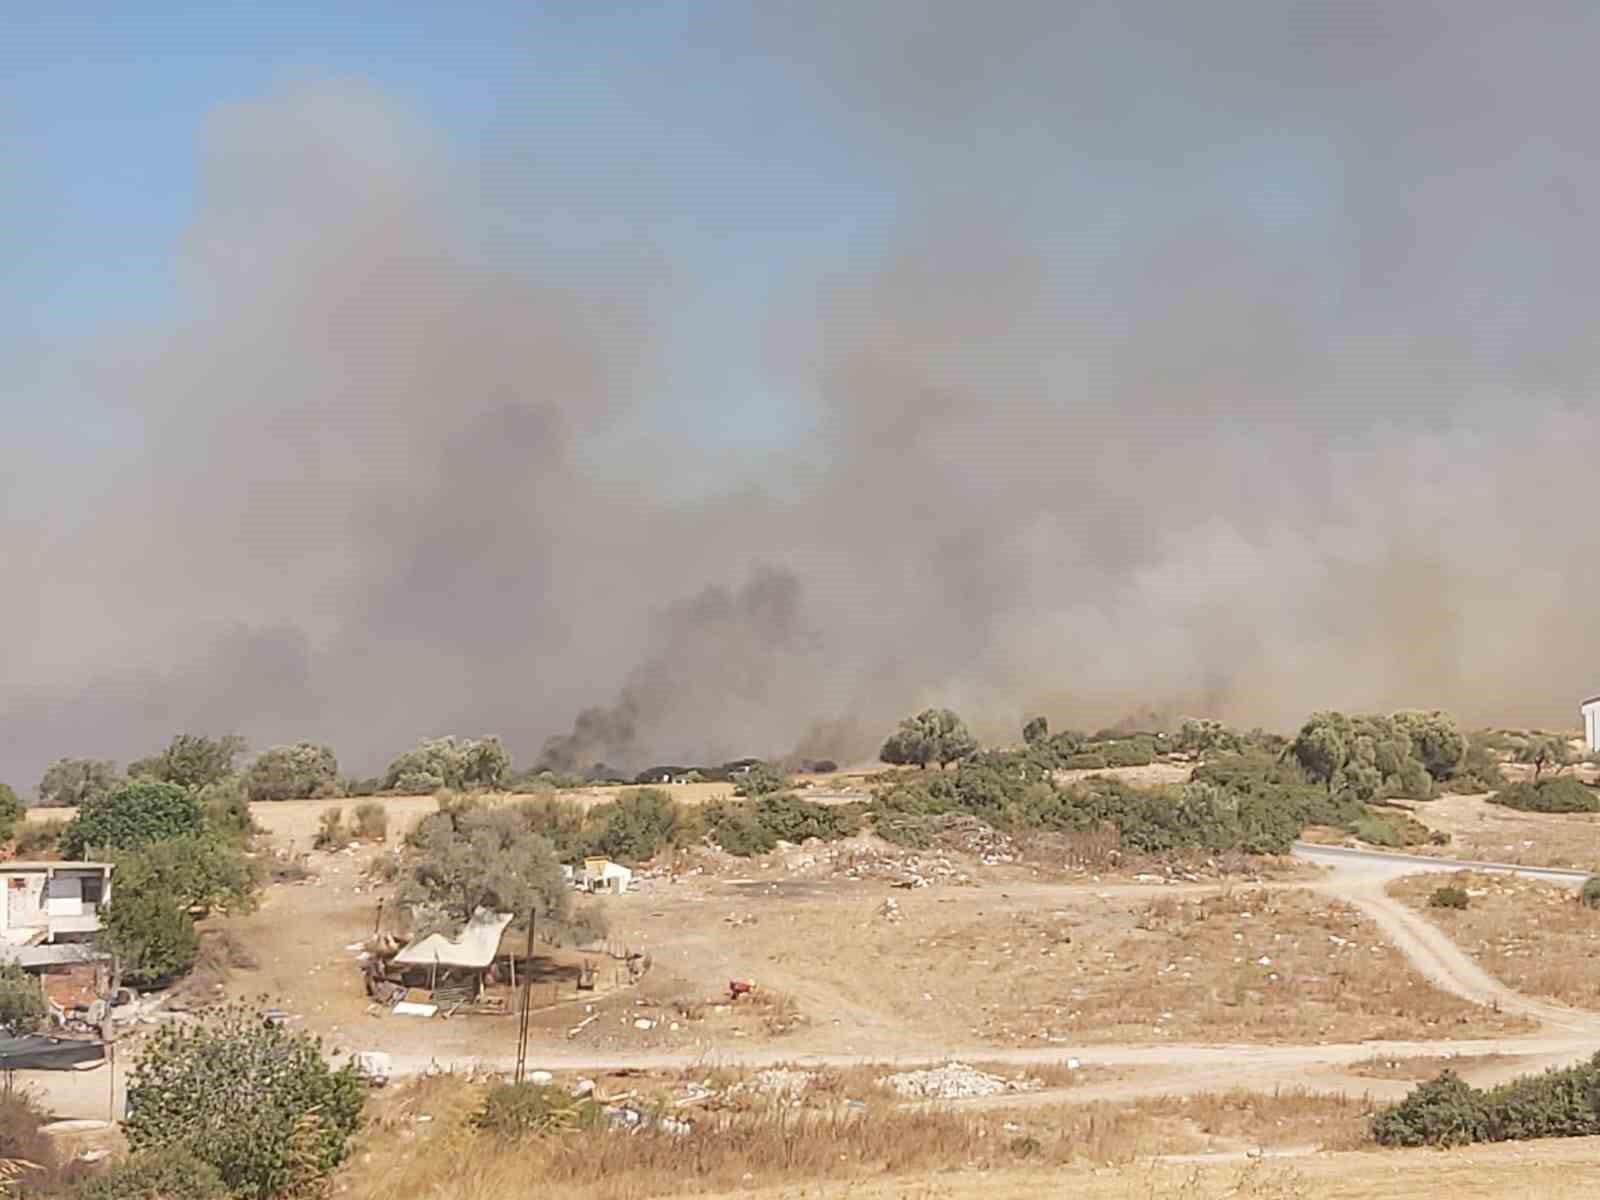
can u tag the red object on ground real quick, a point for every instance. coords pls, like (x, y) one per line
(740, 987)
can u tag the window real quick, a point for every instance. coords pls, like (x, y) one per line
(93, 888)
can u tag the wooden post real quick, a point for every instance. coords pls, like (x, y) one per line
(433, 980)
(511, 961)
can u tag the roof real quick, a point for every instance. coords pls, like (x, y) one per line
(474, 947)
(22, 864)
(35, 1052)
(1589, 701)
(57, 954)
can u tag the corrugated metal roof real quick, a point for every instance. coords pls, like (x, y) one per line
(474, 947)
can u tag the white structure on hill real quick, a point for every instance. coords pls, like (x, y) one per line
(1591, 723)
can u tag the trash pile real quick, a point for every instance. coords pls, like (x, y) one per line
(954, 1081)
(777, 1083)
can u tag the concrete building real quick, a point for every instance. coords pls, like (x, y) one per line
(1591, 723)
(603, 875)
(49, 902)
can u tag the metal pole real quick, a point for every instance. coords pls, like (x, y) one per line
(527, 1005)
(111, 1101)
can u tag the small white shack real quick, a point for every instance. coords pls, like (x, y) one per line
(603, 875)
(1591, 723)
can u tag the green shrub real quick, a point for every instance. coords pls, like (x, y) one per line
(1377, 832)
(332, 832)
(71, 782)
(191, 760)
(1441, 1112)
(259, 1103)
(459, 763)
(636, 826)
(1088, 761)
(761, 779)
(10, 812)
(371, 822)
(1449, 897)
(176, 1173)
(303, 771)
(734, 827)
(519, 1109)
(151, 935)
(1137, 753)
(226, 810)
(134, 815)
(197, 871)
(1559, 794)
(23, 1008)
(1589, 895)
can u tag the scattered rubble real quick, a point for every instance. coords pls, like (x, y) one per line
(776, 1082)
(954, 1081)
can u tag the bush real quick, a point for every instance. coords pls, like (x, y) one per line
(10, 812)
(457, 763)
(191, 760)
(372, 822)
(636, 826)
(176, 1173)
(360, 787)
(1137, 753)
(151, 935)
(933, 735)
(303, 771)
(24, 1140)
(467, 857)
(135, 815)
(519, 1109)
(1377, 832)
(22, 1004)
(259, 1103)
(1442, 1112)
(37, 838)
(1449, 897)
(735, 828)
(198, 871)
(226, 810)
(1089, 761)
(331, 831)
(1589, 894)
(1559, 794)
(760, 779)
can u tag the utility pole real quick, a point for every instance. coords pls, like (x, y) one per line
(527, 1003)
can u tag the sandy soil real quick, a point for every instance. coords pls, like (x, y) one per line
(1491, 833)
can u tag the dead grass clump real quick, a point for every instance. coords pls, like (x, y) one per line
(737, 1150)
(290, 870)
(780, 1012)
(371, 822)
(332, 832)
(1533, 937)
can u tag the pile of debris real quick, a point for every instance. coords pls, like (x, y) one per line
(954, 1081)
(778, 1083)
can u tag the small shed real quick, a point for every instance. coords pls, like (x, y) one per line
(464, 957)
(1591, 723)
(603, 875)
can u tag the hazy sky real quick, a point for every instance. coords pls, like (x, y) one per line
(752, 374)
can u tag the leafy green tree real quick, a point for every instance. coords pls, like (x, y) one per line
(1199, 735)
(470, 858)
(303, 771)
(22, 1003)
(259, 1103)
(933, 735)
(459, 763)
(761, 779)
(1036, 732)
(1544, 751)
(150, 935)
(638, 824)
(10, 812)
(136, 814)
(75, 781)
(226, 811)
(195, 870)
(1435, 740)
(191, 760)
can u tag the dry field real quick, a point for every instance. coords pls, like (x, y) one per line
(1490, 833)
(775, 1144)
(1534, 937)
(1426, 1066)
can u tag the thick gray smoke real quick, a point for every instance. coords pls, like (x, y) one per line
(1231, 359)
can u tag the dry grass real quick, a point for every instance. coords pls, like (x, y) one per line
(1534, 937)
(1489, 833)
(780, 1144)
(1247, 964)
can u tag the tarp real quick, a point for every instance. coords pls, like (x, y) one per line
(474, 948)
(35, 1052)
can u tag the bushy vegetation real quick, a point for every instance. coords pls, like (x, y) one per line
(1557, 794)
(196, 871)
(138, 813)
(518, 1109)
(36, 838)
(1447, 1112)
(226, 810)
(461, 764)
(371, 822)
(258, 1103)
(10, 812)
(303, 771)
(756, 826)
(191, 760)
(1479, 770)
(1589, 894)
(636, 826)
(761, 779)
(1372, 757)
(72, 781)
(466, 857)
(22, 1003)
(934, 735)
(1449, 896)
(150, 935)
(175, 1173)
(332, 833)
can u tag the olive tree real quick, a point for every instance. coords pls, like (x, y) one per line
(303, 771)
(1036, 731)
(191, 760)
(259, 1103)
(470, 858)
(1542, 751)
(933, 735)
(1435, 740)
(460, 763)
(69, 782)
(136, 814)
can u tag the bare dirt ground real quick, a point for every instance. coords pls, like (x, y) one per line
(1533, 937)
(1491, 833)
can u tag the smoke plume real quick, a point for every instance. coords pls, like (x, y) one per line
(1229, 360)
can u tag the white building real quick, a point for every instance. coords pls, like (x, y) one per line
(46, 902)
(603, 875)
(1591, 723)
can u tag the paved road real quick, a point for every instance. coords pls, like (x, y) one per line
(1391, 863)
